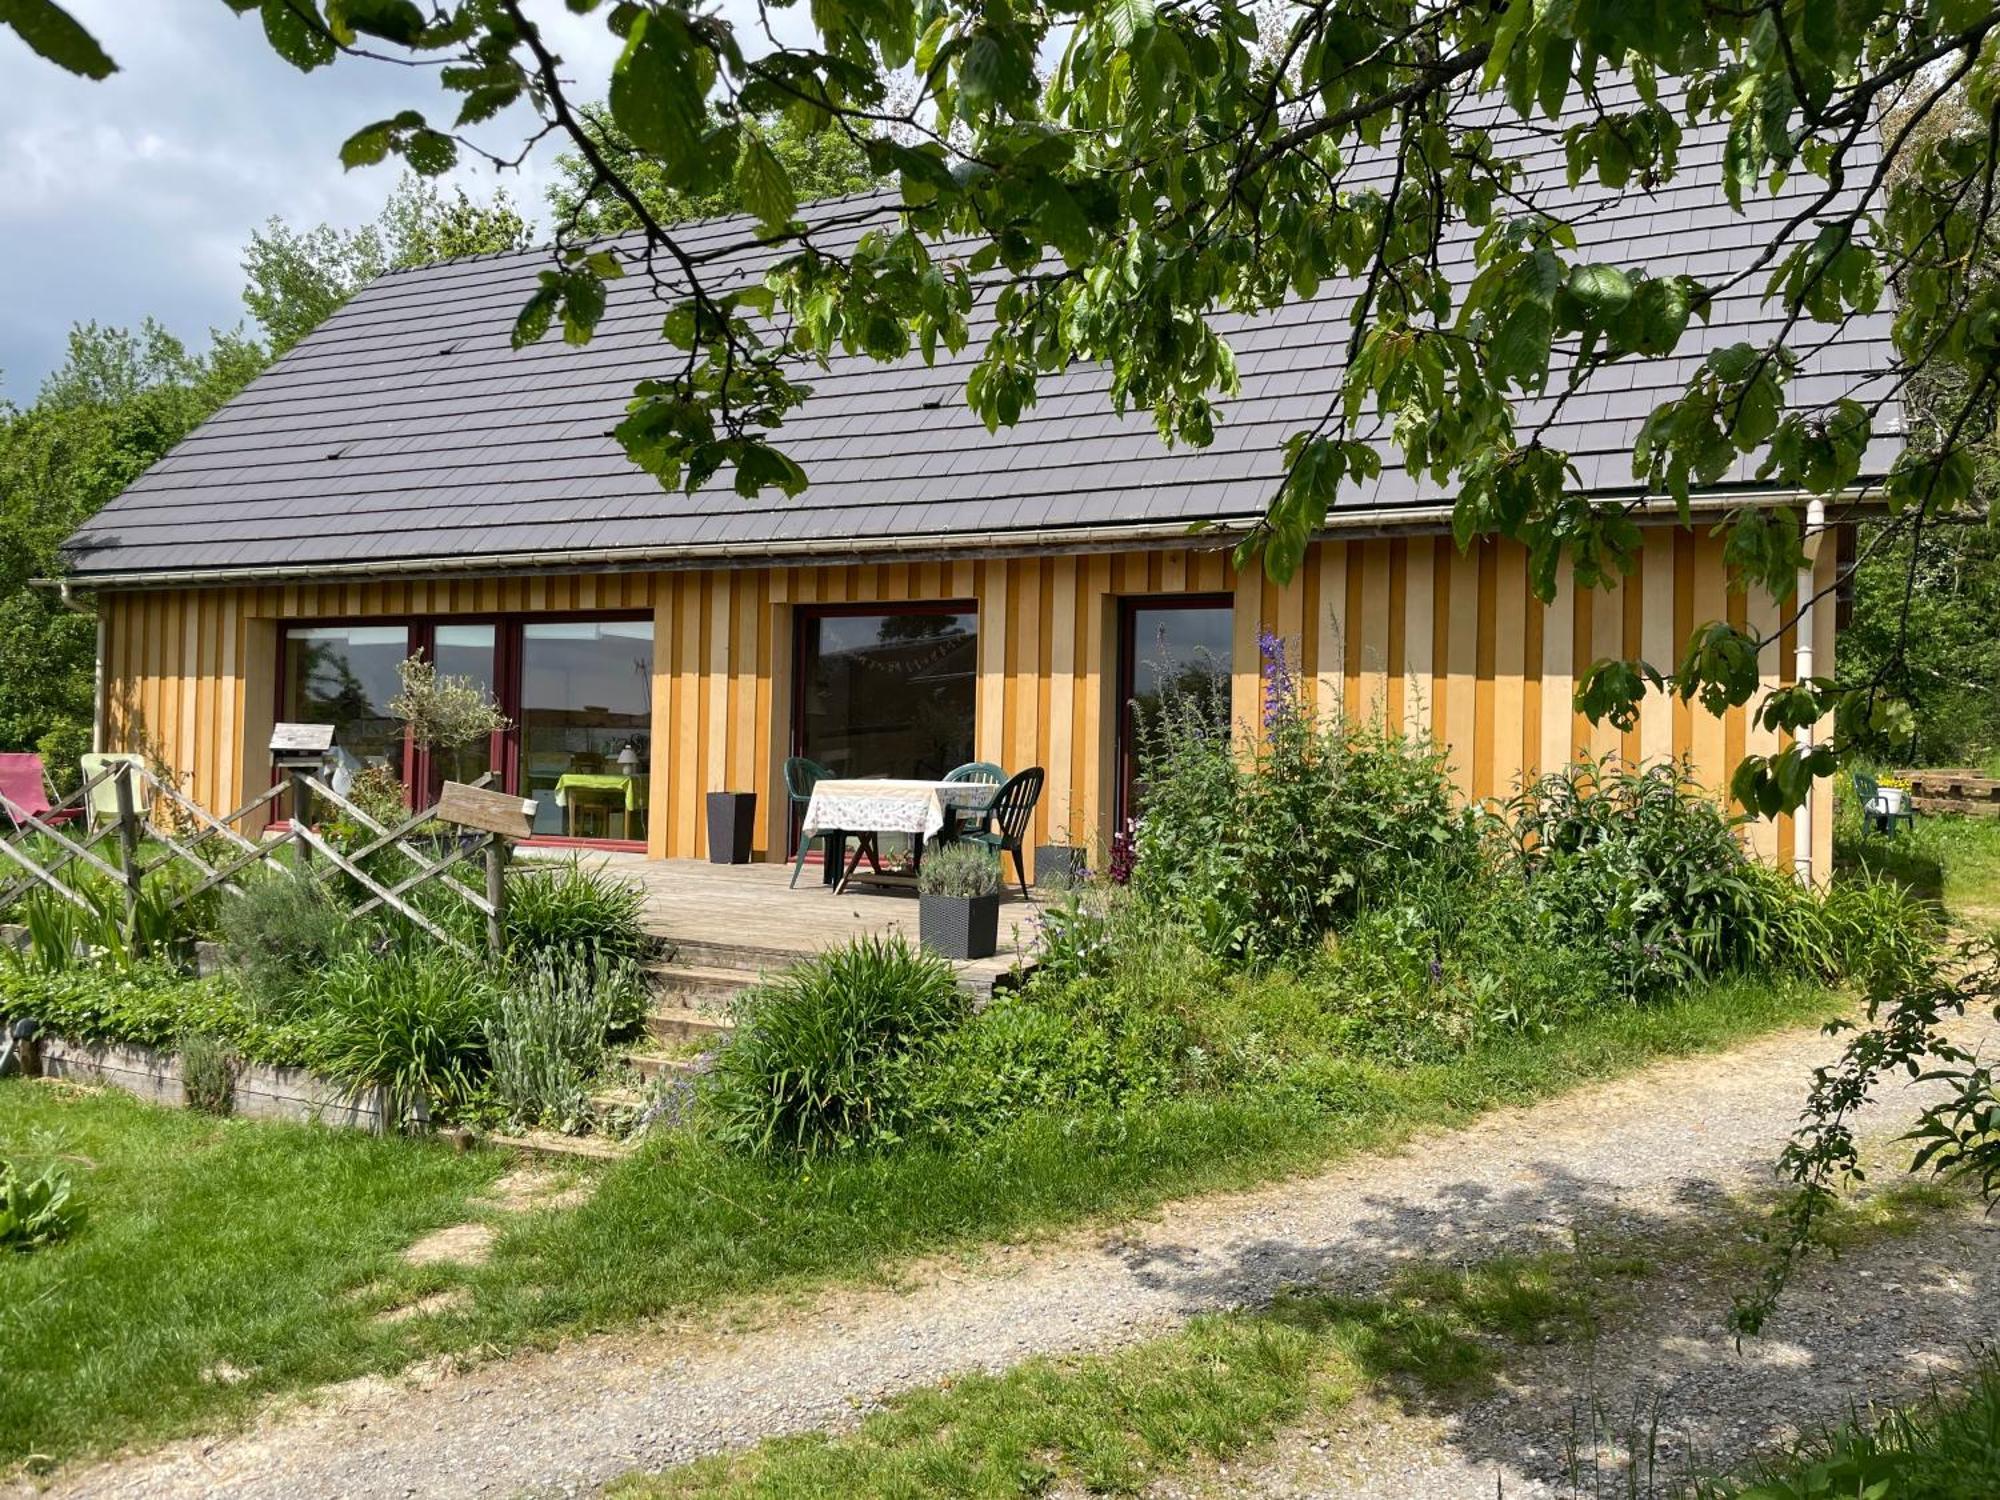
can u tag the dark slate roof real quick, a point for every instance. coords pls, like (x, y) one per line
(406, 431)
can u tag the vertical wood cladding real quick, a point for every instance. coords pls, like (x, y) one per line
(1438, 640)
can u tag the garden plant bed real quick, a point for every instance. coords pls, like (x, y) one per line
(261, 1092)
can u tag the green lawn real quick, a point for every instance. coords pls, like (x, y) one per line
(1953, 861)
(226, 1260)
(218, 1261)
(684, 1225)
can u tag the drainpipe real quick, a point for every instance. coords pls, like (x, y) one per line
(97, 715)
(1802, 669)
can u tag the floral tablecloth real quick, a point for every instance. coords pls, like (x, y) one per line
(913, 807)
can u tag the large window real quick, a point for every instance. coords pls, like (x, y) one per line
(586, 725)
(884, 694)
(345, 675)
(1172, 651)
(577, 695)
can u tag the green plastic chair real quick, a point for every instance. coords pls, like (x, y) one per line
(801, 776)
(977, 770)
(1009, 814)
(959, 819)
(1866, 790)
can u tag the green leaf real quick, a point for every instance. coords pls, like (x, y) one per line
(297, 33)
(53, 33)
(1127, 20)
(368, 145)
(658, 86)
(397, 21)
(765, 185)
(1605, 290)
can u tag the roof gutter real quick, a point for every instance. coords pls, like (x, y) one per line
(1391, 521)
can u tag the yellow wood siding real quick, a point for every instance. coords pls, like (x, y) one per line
(1408, 627)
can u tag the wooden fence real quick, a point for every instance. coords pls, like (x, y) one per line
(155, 826)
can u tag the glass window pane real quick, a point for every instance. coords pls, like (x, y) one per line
(345, 675)
(464, 651)
(889, 694)
(586, 726)
(1174, 653)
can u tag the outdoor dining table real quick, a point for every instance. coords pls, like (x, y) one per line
(879, 805)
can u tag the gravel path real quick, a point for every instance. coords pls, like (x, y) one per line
(1656, 1146)
(1876, 1325)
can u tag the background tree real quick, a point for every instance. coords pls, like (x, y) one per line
(296, 279)
(118, 402)
(585, 206)
(122, 399)
(1926, 591)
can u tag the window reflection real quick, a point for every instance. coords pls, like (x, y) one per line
(889, 694)
(586, 717)
(1173, 653)
(465, 651)
(345, 675)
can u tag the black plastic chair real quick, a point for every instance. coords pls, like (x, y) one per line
(801, 776)
(1008, 816)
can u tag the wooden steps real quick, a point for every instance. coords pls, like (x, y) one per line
(699, 987)
(681, 1023)
(555, 1143)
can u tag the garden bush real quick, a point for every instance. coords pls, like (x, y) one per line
(208, 1074)
(1263, 853)
(546, 1038)
(824, 1056)
(153, 1005)
(571, 906)
(279, 933)
(1645, 866)
(413, 1024)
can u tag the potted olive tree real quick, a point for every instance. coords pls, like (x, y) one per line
(958, 901)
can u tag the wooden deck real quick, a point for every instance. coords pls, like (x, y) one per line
(750, 911)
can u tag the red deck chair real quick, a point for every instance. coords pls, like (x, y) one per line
(25, 786)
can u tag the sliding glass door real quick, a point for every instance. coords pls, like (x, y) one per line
(585, 726)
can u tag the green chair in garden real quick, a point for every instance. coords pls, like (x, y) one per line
(801, 776)
(1874, 808)
(957, 820)
(1008, 816)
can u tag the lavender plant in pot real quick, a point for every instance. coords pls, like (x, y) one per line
(958, 901)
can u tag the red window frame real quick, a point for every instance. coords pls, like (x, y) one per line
(504, 753)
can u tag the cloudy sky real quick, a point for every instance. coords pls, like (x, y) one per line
(135, 196)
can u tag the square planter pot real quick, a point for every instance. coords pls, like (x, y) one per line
(732, 823)
(962, 927)
(1059, 864)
